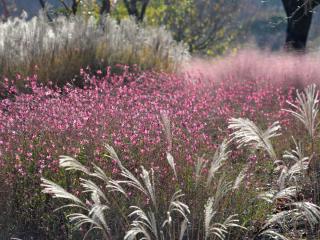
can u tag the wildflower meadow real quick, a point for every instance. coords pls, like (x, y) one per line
(111, 128)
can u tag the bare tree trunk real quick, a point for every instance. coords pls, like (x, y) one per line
(43, 6)
(105, 7)
(299, 18)
(5, 9)
(132, 8)
(74, 7)
(42, 3)
(143, 9)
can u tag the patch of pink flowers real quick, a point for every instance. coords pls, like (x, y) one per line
(124, 111)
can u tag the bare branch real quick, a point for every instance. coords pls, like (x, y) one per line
(65, 6)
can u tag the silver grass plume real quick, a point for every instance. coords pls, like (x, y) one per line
(271, 196)
(109, 41)
(111, 185)
(300, 162)
(246, 133)
(95, 213)
(166, 125)
(172, 164)
(305, 212)
(184, 226)
(177, 206)
(129, 178)
(147, 185)
(220, 156)
(307, 108)
(144, 224)
(219, 230)
(148, 181)
(273, 234)
(58, 192)
(200, 165)
(223, 187)
(70, 163)
(241, 176)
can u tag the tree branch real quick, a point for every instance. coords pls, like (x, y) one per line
(65, 6)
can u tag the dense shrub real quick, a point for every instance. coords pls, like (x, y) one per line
(56, 50)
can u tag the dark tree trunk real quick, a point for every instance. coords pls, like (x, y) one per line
(42, 3)
(143, 9)
(299, 17)
(105, 7)
(43, 6)
(5, 9)
(132, 8)
(74, 7)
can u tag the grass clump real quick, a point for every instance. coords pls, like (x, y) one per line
(141, 205)
(56, 50)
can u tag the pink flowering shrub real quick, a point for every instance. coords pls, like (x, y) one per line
(278, 69)
(123, 110)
